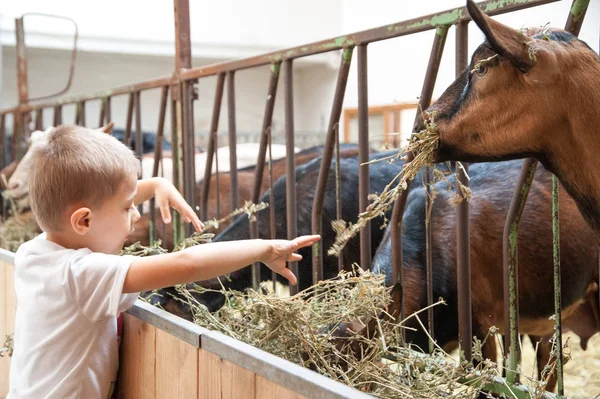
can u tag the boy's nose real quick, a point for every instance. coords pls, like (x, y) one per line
(136, 215)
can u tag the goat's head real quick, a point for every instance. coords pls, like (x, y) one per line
(510, 100)
(17, 186)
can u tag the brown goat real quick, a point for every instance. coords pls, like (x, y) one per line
(532, 93)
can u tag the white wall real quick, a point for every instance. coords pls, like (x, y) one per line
(230, 28)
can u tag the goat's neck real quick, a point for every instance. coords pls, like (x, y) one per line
(574, 156)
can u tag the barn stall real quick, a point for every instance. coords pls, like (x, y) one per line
(152, 336)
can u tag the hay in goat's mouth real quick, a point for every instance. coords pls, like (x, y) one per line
(422, 145)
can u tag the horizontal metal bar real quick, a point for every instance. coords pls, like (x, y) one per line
(416, 25)
(146, 85)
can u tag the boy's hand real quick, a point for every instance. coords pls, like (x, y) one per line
(168, 197)
(282, 251)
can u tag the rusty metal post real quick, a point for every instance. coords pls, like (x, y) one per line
(20, 121)
(429, 255)
(334, 120)
(363, 155)
(39, 119)
(463, 228)
(210, 151)
(107, 114)
(164, 96)
(3, 141)
(511, 269)
(433, 67)
(139, 145)
(57, 120)
(232, 139)
(183, 111)
(80, 113)
(102, 112)
(130, 106)
(265, 139)
(290, 164)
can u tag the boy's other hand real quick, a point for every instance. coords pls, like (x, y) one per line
(168, 197)
(282, 251)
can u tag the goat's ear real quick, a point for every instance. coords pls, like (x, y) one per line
(107, 128)
(506, 41)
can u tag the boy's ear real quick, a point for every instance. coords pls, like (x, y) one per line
(81, 220)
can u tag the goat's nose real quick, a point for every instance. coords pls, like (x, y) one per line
(13, 185)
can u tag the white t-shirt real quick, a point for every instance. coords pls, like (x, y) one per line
(65, 343)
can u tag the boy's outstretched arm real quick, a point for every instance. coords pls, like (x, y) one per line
(207, 261)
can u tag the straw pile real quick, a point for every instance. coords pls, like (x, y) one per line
(422, 145)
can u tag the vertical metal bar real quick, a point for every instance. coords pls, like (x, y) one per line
(184, 107)
(272, 225)
(130, 105)
(107, 115)
(57, 115)
(160, 131)
(39, 119)
(3, 141)
(189, 147)
(22, 68)
(576, 16)
(557, 287)
(463, 232)
(433, 66)
(175, 140)
(511, 284)
(210, 151)
(428, 257)
(164, 96)
(80, 113)
(260, 162)
(232, 139)
(334, 119)
(363, 155)
(218, 188)
(338, 191)
(102, 112)
(20, 121)
(139, 145)
(290, 165)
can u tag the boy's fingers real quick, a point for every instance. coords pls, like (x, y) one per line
(287, 273)
(165, 212)
(294, 258)
(305, 241)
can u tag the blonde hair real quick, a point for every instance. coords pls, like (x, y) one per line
(76, 165)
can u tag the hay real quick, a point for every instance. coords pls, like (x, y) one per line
(311, 329)
(422, 145)
(8, 347)
(16, 230)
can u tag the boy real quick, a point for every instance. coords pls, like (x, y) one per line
(71, 284)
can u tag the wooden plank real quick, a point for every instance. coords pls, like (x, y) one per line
(137, 360)
(209, 375)
(4, 361)
(176, 367)
(238, 382)
(267, 389)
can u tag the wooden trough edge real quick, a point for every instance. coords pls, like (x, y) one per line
(285, 373)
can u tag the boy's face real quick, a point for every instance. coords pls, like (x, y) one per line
(112, 222)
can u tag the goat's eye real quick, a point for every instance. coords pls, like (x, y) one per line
(482, 70)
